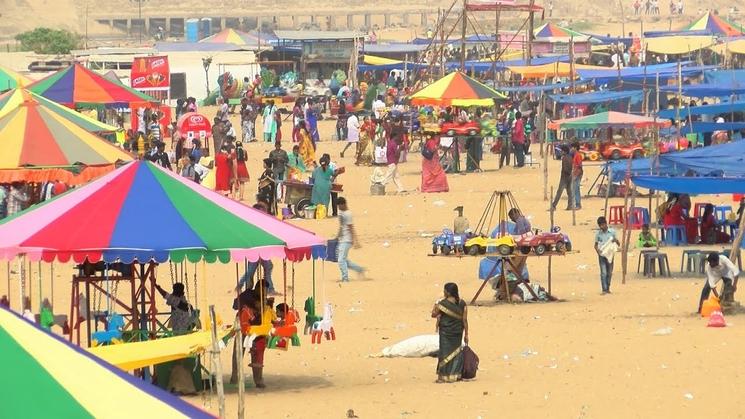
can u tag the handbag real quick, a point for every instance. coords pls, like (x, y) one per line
(427, 153)
(470, 363)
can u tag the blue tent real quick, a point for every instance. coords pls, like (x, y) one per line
(724, 159)
(699, 127)
(635, 96)
(692, 185)
(707, 89)
(719, 108)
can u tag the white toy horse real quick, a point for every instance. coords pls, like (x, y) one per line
(325, 326)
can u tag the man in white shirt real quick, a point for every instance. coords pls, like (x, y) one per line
(719, 268)
(347, 238)
(378, 106)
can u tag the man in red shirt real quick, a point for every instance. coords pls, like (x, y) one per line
(518, 139)
(576, 175)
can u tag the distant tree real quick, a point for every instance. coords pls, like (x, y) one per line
(48, 41)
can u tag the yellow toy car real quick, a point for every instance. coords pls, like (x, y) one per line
(505, 245)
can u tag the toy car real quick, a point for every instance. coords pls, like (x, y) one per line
(615, 151)
(470, 128)
(448, 242)
(505, 245)
(542, 242)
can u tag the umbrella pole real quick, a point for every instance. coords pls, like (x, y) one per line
(215, 355)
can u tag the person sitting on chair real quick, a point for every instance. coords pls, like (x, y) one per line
(180, 308)
(646, 239)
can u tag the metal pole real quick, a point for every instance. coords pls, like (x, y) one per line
(531, 15)
(464, 23)
(216, 364)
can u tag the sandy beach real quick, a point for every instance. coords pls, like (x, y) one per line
(587, 356)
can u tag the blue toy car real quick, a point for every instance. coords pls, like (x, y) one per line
(448, 242)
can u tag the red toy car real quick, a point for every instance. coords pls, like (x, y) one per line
(541, 242)
(615, 151)
(456, 128)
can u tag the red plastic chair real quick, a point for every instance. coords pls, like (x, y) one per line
(615, 215)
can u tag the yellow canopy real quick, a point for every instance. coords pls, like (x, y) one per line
(131, 356)
(678, 44)
(375, 60)
(734, 47)
(549, 70)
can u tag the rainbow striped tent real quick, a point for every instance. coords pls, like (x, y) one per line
(144, 212)
(10, 79)
(34, 134)
(456, 89)
(236, 37)
(716, 26)
(550, 30)
(77, 85)
(11, 100)
(48, 377)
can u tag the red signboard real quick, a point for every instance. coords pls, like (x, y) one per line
(193, 125)
(150, 73)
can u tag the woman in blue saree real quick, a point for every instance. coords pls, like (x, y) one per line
(452, 325)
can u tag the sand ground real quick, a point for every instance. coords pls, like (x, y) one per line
(589, 356)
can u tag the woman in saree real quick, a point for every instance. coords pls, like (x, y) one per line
(367, 133)
(434, 178)
(311, 122)
(323, 177)
(307, 151)
(296, 163)
(452, 325)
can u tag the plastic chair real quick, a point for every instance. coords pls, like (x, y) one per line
(720, 213)
(642, 255)
(615, 215)
(675, 235)
(698, 209)
(688, 260)
(660, 259)
(638, 217)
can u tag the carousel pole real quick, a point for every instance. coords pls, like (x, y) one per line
(216, 364)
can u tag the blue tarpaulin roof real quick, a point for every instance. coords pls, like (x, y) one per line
(539, 88)
(665, 71)
(388, 67)
(607, 40)
(715, 109)
(726, 159)
(635, 96)
(711, 127)
(394, 47)
(691, 185)
(707, 89)
(725, 76)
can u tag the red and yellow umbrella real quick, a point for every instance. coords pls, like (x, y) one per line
(456, 89)
(35, 136)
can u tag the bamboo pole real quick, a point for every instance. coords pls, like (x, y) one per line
(241, 376)
(216, 364)
(551, 210)
(627, 236)
(545, 159)
(464, 24)
(734, 252)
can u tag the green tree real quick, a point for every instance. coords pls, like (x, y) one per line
(48, 41)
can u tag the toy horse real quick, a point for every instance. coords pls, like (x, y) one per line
(288, 331)
(47, 318)
(310, 316)
(324, 327)
(112, 334)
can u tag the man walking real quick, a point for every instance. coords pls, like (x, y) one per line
(393, 154)
(577, 173)
(565, 181)
(347, 238)
(719, 268)
(606, 245)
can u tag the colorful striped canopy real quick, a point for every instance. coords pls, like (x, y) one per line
(236, 37)
(549, 30)
(608, 119)
(10, 79)
(144, 212)
(17, 97)
(456, 89)
(33, 134)
(48, 377)
(715, 25)
(77, 85)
